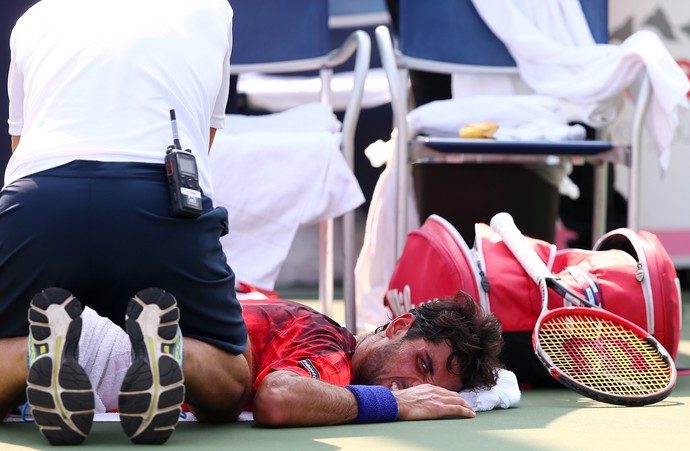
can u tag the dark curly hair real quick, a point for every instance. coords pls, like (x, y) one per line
(475, 338)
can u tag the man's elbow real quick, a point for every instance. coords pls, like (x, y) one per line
(273, 405)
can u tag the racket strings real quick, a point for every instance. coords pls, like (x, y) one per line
(604, 355)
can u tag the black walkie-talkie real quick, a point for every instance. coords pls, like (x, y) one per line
(183, 178)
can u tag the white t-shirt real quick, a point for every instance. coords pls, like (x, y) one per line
(96, 80)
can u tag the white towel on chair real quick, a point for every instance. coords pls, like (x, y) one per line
(310, 117)
(519, 117)
(280, 92)
(556, 56)
(271, 182)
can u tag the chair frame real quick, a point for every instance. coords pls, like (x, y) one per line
(358, 44)
(397, 66)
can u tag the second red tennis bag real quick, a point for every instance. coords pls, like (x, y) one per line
(628, 273)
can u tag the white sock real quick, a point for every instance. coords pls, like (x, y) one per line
(105, 353)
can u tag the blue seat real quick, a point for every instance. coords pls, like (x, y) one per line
(272, 38)
(451, 37)
(279, 37)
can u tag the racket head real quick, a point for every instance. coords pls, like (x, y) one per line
(603, 356)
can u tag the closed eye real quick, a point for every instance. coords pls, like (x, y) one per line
(423, 366)
(426, 364)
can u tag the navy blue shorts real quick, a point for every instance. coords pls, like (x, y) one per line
(103, 231)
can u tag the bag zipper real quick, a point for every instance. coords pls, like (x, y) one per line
(641, 273)
(480, 274)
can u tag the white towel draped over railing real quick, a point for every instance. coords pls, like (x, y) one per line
(274, 173)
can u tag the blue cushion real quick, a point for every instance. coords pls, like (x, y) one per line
(294, 29)
(452, 31)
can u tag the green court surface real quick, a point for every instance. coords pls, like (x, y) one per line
(555, 419)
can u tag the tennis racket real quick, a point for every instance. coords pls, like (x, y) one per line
(590, 350)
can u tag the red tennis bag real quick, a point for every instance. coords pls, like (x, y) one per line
(628, 273)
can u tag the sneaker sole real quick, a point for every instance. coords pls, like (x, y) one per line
(152, 391)
(58, 389)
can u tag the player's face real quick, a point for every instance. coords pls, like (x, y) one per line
(400, 363)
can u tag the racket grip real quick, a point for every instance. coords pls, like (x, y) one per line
(503, 224)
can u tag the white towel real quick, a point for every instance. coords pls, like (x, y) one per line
(280, 92)
(541, 130)
(271, 182)
(377, 259)
(505, 394)
(601, 114)
(310, 117)
(519, 117)
(556, 56)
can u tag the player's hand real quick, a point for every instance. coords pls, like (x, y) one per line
(428, 402)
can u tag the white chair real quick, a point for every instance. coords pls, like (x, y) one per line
(451, 38)
(278, 37)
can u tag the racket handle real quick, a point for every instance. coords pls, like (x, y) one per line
(503, 224)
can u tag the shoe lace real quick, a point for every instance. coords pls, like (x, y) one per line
(25, 415)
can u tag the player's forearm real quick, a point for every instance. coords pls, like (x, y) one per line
(287, 399)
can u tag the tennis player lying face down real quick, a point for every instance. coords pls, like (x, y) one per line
(308, 370)
(410, 369)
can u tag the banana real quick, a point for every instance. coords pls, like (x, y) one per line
(479, 130)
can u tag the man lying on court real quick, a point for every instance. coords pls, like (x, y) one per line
(308, 370)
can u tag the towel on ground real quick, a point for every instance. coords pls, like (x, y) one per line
(274, 173)
(505, 394)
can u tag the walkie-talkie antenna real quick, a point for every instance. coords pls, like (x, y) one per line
(176, 136)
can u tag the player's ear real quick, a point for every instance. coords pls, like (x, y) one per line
(400, 325)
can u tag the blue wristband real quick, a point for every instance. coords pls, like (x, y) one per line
(375, 404)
